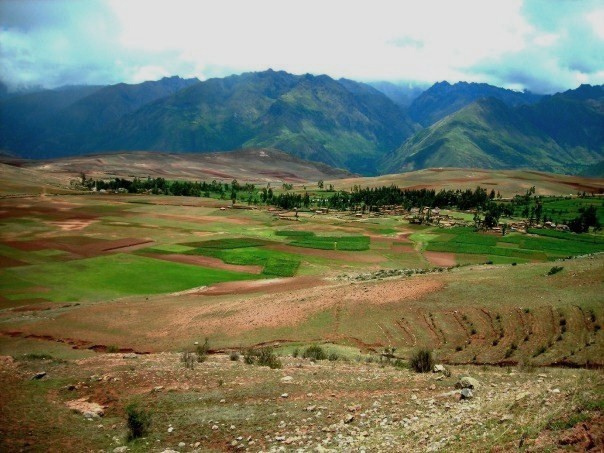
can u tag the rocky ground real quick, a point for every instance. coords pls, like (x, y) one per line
(48, 404)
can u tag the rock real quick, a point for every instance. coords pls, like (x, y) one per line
(354, 408)
(555, 390)
(121, 449)
(130, 355)
(349, 419)
(86, 408)
(287, 379)
(467, 382)
(181, 445)
(38, 375)
(310, 408)
(170, 429)
(466, 394)
(433, 387)
(521, 396)
(159, 388)
(285, 395)
(439, 369)
(169, 450)
(214, 427)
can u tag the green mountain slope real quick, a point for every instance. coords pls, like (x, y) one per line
(485, 134)
(443, 99)
(340, 123)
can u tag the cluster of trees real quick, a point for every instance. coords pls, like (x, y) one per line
(486, 205)
(588, 217)
(410, 198)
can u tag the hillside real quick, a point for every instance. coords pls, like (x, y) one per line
(341, 123)
(249, 165)
(314, 117)
(489, 134)
(442, 99)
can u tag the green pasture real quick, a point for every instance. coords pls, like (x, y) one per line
(108, 276)
(512, 247)
(246, 251)
(347, 243)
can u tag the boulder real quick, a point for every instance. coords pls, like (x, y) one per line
(466, 394)
(467, 382)
(38, 375)
(439, 369)
(86, 408)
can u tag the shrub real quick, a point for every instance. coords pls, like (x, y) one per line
(113, 349)
(296, 353)
(188, 359)
(473, 331)
(495, 342)
(514, 263)
(266, 357)
(234, 356)
(422, 361)
(459, 348)
(202, 351)
(314, 352)
(555, 270)
(139, 421)
(332, 357)
(249, 357)
(527, 310)
(597, 327)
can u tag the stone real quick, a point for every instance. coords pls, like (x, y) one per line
(170, 429)
(439, 369)
(38, 375)
(349, 419)
(130, 355)
(121, 449)
(285, 395)
(466, 394)
(86, 408)
(287, 379)
(467, 382)
(181, 445)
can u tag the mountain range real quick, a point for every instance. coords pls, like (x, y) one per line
(364, 128)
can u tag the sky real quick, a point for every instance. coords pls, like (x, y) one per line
(541, 45)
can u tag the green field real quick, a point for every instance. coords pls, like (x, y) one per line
(108, 276)
(243, 251)
(514, 245)
(346, 243)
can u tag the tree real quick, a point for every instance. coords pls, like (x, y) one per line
(321, 184)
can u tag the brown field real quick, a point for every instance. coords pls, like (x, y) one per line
(507, 182)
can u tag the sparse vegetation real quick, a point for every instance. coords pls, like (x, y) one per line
(555, 270)
(202, 351)
(314, 352)
(422, 361)
(188, 359)
(138, 421)
(233, 356)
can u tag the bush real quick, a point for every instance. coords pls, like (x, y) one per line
(138, 422)
(249, 357)
(495, 342)
(296, 353)
(314, 352)
(188, 359)
(333, 357)
(202, 351)
(234, 356)
(266, 357)
(113, 349)
(422, 361)
(555, 270)
(458, 348)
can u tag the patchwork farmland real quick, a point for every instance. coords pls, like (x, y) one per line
(91, 280)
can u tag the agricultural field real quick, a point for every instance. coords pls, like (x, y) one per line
(107, 293)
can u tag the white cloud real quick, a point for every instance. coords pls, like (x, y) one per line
(130, 40)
